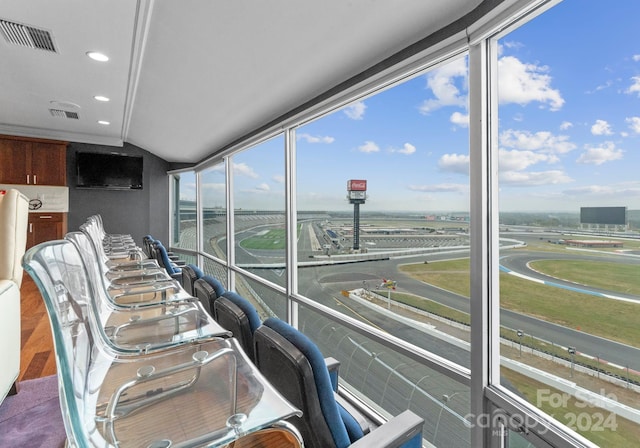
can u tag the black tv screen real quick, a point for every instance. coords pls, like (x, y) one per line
(109, 170)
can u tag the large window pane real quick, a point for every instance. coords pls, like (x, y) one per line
(569, 193)
(391, 383)
(268, 302)
(259, 204)
(184, 223)
(214, 211)
(396, 255)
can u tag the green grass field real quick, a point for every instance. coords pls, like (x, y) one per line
(608, 318)
(272, 239)
(598, 425)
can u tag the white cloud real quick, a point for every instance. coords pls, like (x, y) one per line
(634, 124)
(406, 149)
(590, 190)
(442, 82)
(455, 163)
(369, 146)
(278, 178)
(526, 179)
(513, 44)
(440, 188)
(601, 127)
(213, 186)
(516, 160)
(542, 141)
(244, 170)
(262, 189)
(600, 154)
(523, 83)
(635, 86)
(606, 85)
(565, 125)
(355, 111)
(623, 189)
(636, 57)
(316, 138)
(460, 119)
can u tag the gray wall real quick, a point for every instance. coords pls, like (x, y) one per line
(136, 212)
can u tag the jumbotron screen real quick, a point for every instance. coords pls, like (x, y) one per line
(603, 215)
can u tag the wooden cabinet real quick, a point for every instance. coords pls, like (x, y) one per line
(26, 161)
(46, 227)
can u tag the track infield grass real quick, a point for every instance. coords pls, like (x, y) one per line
(611, 319)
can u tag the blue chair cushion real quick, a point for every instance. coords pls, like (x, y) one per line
(353, 428)
(215, 283)
(197, 270)
(247, 308)
(168, 265)
(328, 403)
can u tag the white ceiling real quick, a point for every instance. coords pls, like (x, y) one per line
(187, 77)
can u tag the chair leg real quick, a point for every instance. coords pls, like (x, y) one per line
(14, 389)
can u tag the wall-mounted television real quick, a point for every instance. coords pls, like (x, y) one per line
(108, 170)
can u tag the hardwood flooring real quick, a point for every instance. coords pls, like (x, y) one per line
(37, 357)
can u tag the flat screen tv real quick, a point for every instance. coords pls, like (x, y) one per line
(109, 170)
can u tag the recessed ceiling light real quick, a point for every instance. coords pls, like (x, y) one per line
(97, 56)
(101, 98)
(105, 123)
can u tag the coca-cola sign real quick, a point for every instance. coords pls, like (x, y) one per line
(356, 185)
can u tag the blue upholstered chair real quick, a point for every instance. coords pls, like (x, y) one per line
(190, 273)
(207, 289)
(296, 367)
(240, 317)
(172, 268)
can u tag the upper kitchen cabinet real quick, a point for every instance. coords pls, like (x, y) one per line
(30, 161)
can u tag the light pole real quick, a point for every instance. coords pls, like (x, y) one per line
(389, 284)
(520, 334)
(572, 352)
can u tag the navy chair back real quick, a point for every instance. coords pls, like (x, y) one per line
(296, 367)
(240, 317)
(164, 261)
(207, 289)
(190, 273)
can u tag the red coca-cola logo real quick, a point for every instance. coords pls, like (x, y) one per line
(357, 185)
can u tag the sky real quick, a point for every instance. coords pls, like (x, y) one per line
(569, 128)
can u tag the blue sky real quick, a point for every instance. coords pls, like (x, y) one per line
(569, 131)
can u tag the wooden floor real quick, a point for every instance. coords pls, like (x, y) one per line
(37, 358)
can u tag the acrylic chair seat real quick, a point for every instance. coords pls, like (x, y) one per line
(112, 400)
(122, 329)
(133, 294)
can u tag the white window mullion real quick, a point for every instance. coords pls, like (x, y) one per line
(199, 214)
(231, 237)
(292, 228)
(483, 209)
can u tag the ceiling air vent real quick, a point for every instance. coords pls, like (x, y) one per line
(64, 114)
(27, 36)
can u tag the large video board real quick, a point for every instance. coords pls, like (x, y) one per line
(603, 215)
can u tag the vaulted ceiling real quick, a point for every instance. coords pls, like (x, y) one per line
(187, 77)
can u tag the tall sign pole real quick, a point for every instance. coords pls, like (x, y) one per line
(356, 193)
